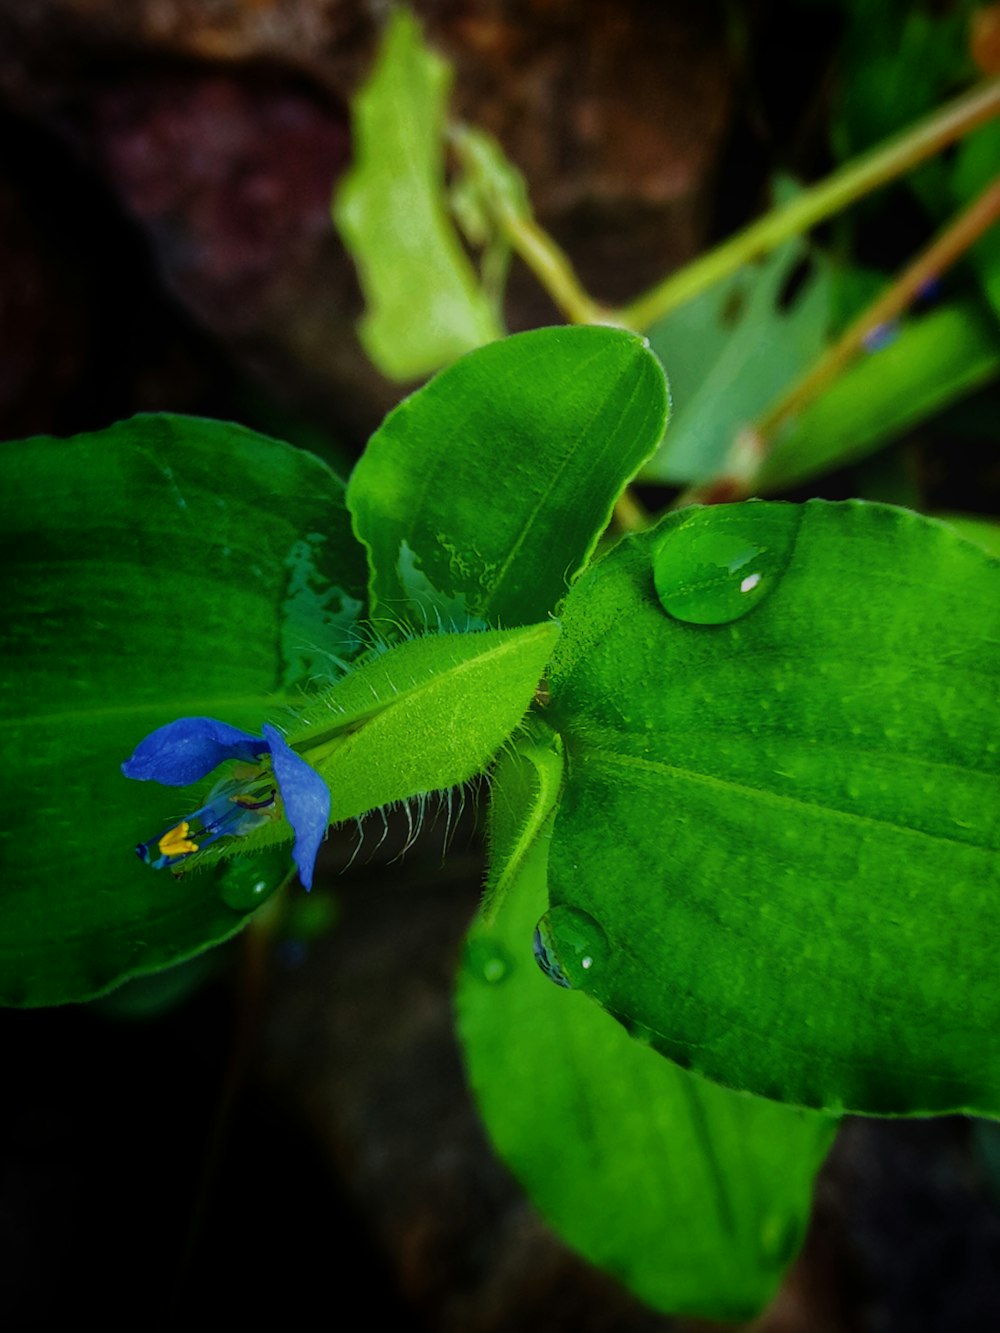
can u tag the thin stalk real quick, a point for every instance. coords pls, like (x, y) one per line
(508, 203)
(751, 446)
(552, 268)
(876, 168)
(943, 251)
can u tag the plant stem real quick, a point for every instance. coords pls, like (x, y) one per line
(738, 477)
(858, 178)
(943, 251)
(507, 200)
(553, 270)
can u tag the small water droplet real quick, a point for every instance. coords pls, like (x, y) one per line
(723, 560)
(570, 947)
(248, 881)
(488, 960)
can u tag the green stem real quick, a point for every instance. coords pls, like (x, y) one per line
(879, 166)
(508, 202)
(738, 477)
(949, 246)
(552, 269)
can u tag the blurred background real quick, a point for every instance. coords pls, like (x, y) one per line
(282, 1126)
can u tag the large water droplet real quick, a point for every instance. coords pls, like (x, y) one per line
(723, 560)
(570, 947)
(488, 960)
(248, 881)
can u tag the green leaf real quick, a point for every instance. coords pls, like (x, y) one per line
(447, 703)
(165, 566)
(898, 61)
(499, 475)
(488, 193)
(935, 359)
(984, 532)
(786, 824)
(424, 716)
(975, 167)
(695, 1197)
(424, 305)
(730, 352)
(524, 790)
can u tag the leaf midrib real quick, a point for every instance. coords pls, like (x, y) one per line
(181, 708)
(729, 785)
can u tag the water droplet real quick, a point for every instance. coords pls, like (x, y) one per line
(248, 881)
(488, 960)
(723, 560)
(570, 947)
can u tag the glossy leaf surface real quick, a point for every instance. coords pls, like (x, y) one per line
(800, 893)
(165, 566)
(693, 1196)
(424, 307)
(493, 482)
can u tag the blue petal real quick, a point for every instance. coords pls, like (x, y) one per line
(306, 799)
(184, 751)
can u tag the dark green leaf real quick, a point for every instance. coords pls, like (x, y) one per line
(494, 481)
(695, 1197)
(787, 824)
(424, 306)
(898, 61)
(163, 567)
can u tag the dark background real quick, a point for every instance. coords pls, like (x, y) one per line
(289, 1134)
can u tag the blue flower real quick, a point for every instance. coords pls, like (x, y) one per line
(271, 777)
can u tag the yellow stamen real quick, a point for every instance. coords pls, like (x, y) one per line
(175, 842)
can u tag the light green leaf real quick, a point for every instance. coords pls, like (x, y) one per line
(424, 307)
(524, 790)
(499, 475)
(488, 194)
(446, 704)
(696, 1198)
(160, 568)
(730, 352)
(935, 360)
(423, 716)
(787, 824)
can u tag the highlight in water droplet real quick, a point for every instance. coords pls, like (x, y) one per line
(248, 881)
(721, 561)
(488, 960)
(570, 947)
